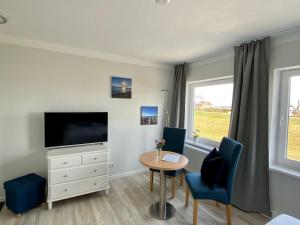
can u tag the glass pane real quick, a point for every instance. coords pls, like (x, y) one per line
(293, 148)
(212, 108)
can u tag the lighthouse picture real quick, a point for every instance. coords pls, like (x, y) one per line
(120, 87)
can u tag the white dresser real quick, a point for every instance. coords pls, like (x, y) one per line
(76, 171)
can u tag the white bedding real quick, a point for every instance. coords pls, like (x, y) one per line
(284, 219)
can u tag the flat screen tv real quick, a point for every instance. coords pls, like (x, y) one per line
(64, 129)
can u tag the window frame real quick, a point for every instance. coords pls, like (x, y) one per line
(280, 118)
(203, 143)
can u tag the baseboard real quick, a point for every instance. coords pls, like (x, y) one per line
(119, 175)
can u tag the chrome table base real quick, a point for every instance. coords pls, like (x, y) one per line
(169, 211)
(162, 210)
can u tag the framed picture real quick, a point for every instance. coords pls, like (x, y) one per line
(120, 87)
(149, 115)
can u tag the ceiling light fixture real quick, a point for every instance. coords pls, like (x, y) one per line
(162, 2)
(3, 20)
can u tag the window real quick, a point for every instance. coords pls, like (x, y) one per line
(293, 142)
(286, 119)
(209, 111)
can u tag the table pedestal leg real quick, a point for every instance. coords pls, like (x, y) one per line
(162, 210)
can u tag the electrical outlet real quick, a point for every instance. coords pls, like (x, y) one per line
(112, 164)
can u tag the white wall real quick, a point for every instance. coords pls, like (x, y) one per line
(33, 81)
(284, 189)
(285, 52)
(211, 69)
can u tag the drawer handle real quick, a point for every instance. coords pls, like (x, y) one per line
(95, 158)
(95, 183)
(95, 171)
(65, 190)
(65, 175)
(65, 163)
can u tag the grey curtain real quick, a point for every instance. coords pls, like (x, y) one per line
(178, 97)
(249, 125)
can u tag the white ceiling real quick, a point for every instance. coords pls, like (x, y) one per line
(184, 30)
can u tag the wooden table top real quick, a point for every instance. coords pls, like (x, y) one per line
(150, 160)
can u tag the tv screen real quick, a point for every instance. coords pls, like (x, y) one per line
(74, 128)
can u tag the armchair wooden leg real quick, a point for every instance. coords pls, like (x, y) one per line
(228, 213)
(187, 196)
(218, 204)
(151, 181)
(181, 177)
(195, 212)
(173, 186)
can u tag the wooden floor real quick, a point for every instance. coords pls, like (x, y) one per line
(128, 203)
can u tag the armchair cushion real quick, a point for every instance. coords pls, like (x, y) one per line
(200, 190)
(212, 168)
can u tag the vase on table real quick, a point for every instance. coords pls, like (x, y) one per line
(158, 153)
(159, 145)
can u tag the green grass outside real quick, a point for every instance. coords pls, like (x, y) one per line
(294, 139)
(212, 125)
(215, 125)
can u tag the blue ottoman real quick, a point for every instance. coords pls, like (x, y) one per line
(24, 193)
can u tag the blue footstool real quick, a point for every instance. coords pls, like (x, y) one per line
(24, 193)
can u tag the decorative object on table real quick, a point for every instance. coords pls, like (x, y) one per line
(149, 115)
(121, 87)
(24, 193)
(171, 158)
(159, 145)
(231, 151)
(175, 138)
(166, 106)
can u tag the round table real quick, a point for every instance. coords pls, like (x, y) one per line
(162, 210)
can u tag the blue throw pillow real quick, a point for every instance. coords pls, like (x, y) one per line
(212, 168)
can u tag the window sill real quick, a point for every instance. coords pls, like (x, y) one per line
(285, 171)
(200, 146)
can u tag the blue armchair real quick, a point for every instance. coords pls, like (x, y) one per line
(175, 138)
(231, 151)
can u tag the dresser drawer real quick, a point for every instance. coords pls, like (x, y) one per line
(78, 187)
(66, 162)
(71, 174)
(94, 158)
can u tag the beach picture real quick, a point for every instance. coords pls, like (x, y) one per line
(120, 87)
(149, 115)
